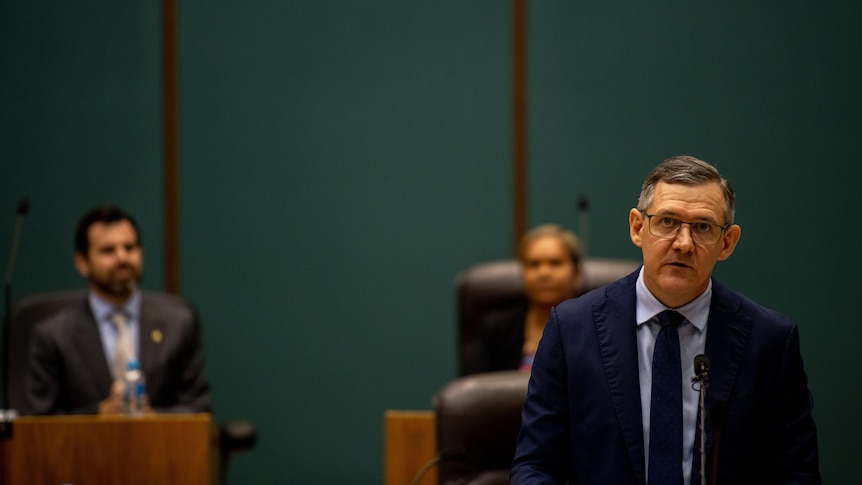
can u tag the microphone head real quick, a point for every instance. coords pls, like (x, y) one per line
(701, 364)
(583, 203)
(23, 206)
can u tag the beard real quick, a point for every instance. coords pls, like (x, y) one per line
(118, 287)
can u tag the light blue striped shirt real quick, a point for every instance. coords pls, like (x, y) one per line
(692, 341)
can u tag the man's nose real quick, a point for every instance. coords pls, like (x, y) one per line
(683, 240)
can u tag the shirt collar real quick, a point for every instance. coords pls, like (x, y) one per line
(103, 309)
(648, 306)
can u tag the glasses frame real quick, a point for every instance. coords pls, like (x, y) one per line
(681, 222)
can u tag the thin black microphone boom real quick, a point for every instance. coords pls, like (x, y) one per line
(21, 211)
(23, 208)
(584, 222)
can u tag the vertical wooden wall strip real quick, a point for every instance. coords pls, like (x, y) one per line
(171, 145)
(519, 118)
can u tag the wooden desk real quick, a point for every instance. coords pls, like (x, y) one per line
(94, 450)
(411, 442)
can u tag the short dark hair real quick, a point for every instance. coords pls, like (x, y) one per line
(106, 214)
(687, 170)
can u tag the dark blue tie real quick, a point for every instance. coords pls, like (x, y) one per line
(665, 428)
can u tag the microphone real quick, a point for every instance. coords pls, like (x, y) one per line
(701, 376)
(701, 368)
(21, 211)
(583, 222)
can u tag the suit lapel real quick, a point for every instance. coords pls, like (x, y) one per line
(726, 339)
(149, 341)
(90, 349)
(616, 330)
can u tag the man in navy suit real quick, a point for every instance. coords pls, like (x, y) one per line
(591, 414)
(74, 367)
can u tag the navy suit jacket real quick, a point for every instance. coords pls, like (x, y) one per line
(582, 418)
(69, 374)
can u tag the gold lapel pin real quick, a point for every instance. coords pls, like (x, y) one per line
(156, 335)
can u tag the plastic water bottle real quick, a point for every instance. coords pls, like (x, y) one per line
(134, 389)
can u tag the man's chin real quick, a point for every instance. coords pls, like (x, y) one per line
(677, 289)
(119, 289)
(677, 278)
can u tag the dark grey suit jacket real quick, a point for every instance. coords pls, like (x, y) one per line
(68, 372)
(582, 419)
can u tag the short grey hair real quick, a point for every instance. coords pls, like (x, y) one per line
(687, 170)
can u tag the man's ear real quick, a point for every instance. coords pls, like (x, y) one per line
(636, 227)
(82, 265)
(729, 241)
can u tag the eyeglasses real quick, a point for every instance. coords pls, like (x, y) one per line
(667, 227)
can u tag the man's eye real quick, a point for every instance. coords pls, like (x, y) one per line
(668, 221)
(702, 226)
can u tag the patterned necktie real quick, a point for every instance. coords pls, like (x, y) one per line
(122, 346)
(665, 429)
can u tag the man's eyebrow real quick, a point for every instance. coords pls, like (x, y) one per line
(673, 214)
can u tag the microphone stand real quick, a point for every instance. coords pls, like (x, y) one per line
(701, 379)
(583, 222)
(8, 415)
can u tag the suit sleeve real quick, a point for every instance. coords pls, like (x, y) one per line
(45, 385)
(543, 449)
(790, 425)
(43, 380)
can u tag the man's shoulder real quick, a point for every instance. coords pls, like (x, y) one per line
(621, 290)
(60, 323)
(728, 300)
(166, 306)
(163, 299)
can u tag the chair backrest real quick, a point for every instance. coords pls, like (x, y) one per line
(24, 316)
(479, 416)
(491, 286)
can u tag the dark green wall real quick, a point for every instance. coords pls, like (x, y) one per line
(342, 161)
(80, 115)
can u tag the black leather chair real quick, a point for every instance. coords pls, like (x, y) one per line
(479, 415)
(488, 287)
(478, 419)
(233, 436)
